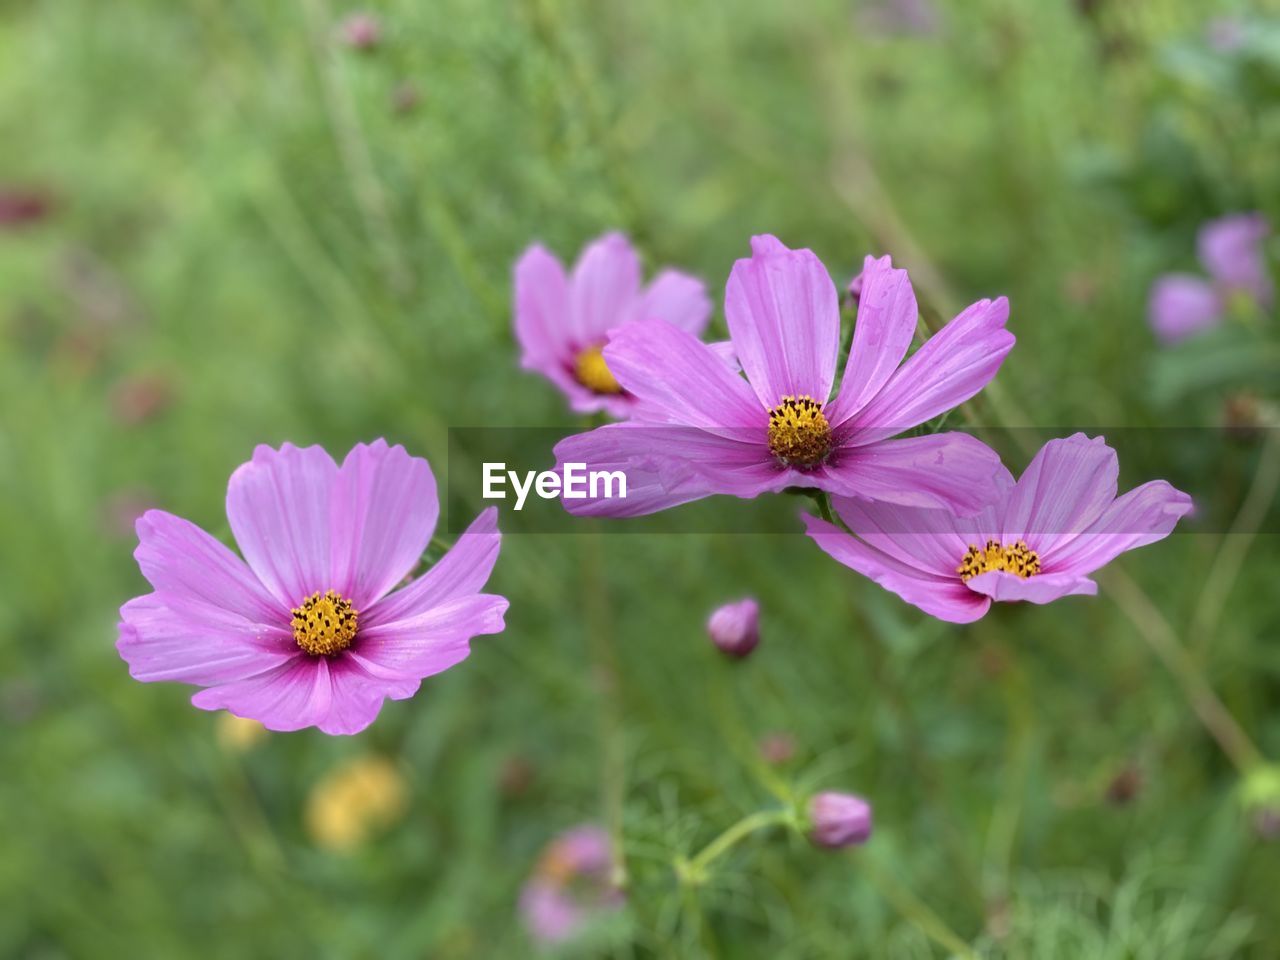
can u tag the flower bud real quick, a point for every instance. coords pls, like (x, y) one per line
(361, 31)
(854, 290)
(839, 819)
(777, 748)
(735, 627)
(1266, 823)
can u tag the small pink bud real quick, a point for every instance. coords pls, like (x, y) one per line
(361, 31)
(839, 819)
(735, 627)
(20, 206)
(777, 749)
(405, 98)
(1266, 823)
(854, 290)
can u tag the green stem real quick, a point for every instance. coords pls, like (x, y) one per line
(824, 507)
(1163, 641)
(694, 870)
(916, 912)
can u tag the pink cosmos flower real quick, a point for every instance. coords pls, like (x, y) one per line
(563, 322)
(1038, 541)
(570, 885)
(1230, 248)
(699, 428)
(305, 631)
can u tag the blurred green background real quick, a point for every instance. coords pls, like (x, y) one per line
(241, 229)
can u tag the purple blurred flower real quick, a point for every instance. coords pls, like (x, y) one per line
(1038, 541)
(855, 287)
(777, 748)
(141, 397)
(570, 885)
(361, 31)
(699, 428)
(735, 627)
(918, 17)
(1231, 250)
(839, 819)
(304, 631)
(563, 322)
(1226, 34)
(20, 207)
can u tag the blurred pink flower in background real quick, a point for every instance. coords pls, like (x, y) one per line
(361, 31)
(903, 17)
(304, 631)
(777, 748)
(570, 885)
(563, 321)
(21, 206)
(735, 627)
(1231, 251)
(137, 399)
(1226, 34)
(839, 820)
(854, 290)
(1039, 541)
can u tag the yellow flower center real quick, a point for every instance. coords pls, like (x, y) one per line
(799, 434)
(1019, 560)
(593, 373)
(324, 625)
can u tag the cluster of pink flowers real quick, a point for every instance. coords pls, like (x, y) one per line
(320, 622)
(935, 518)
(1183, 305)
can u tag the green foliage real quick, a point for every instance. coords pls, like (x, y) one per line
(245, 220)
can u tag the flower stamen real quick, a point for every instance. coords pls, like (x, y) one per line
(799, 435)
(1019, 559)
(593, 373)
(324, 624)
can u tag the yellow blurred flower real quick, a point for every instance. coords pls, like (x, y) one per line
(354, 800)
(236, 734)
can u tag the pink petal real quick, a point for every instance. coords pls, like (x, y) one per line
(1041, 588)
(384, 511)
(925, 539)
(1064, 489)
(784, 320)
(603, 289)
(887, 316)
(675, 373)
(318, 692)
(952, 365)
(677, 298)
(1182, 306)
(542, 310)
(178, 558)
(279, 506)
(944, 598)
(1143, 515)
(178, 637)
(724, 350)
(463, 570)
(429, 642)
(951, 471)
(1231, 249)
